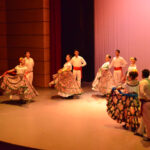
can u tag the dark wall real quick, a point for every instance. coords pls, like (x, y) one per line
(28, 25)
(78, 32)
(3, 37)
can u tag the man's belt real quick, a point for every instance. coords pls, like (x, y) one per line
(117, 68)
(78, 68)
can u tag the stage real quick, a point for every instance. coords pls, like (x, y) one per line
(52, 123)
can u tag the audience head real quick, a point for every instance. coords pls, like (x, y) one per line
(133, 75)
(145, 73)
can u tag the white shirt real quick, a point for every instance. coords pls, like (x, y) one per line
(78, 61)
(144, 90)
(20, 69)
(118, 62)
(29, 62)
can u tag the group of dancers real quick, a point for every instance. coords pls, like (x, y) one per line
(18, 81)
(128, 99)
(68, 83)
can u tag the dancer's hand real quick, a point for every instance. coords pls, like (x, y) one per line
(60, 71)
(119, 87)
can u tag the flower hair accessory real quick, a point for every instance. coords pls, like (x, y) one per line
(20, 59)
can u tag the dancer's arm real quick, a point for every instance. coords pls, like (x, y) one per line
(111, 64)
(83, 62)
(9, 71)
(124, 62)
(142, 90)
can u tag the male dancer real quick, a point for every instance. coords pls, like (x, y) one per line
(29, 62)
(78, 62)
(118, 63)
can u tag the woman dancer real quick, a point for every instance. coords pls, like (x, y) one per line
(103, 81)
(132, 66)
(18, 84)
(123, 104)
(65, 82)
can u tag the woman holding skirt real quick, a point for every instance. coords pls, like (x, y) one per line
(103, 82)
(18, 83)
(123, 104)
(65, 82)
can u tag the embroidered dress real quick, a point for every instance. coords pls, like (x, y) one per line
(125, 107)
(65, 82)
(130, 69)
(103, 81)
(18, 84)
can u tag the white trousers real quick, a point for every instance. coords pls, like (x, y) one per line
(117, 77)
(77, 75)
(30, 77)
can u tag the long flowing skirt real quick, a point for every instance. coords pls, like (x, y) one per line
(124, 108)
(66, 84)
(103, 82)
(18, 85)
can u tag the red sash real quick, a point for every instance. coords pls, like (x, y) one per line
(117, 68)
(78, 68)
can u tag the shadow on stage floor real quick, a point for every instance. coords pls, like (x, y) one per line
(145, 144)
(8, 146)
(17, 102)
(57, 98)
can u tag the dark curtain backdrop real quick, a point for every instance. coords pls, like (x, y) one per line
(55, 36)
(78, 32)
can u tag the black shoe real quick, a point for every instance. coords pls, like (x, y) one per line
(146, 139)
(138, 134)
(133, 129)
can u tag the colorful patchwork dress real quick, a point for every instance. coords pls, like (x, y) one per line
(65, 82)
(103, 82)
(125, 107)
(18, 84)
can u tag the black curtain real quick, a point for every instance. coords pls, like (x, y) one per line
(55, 36)
(78, 32)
